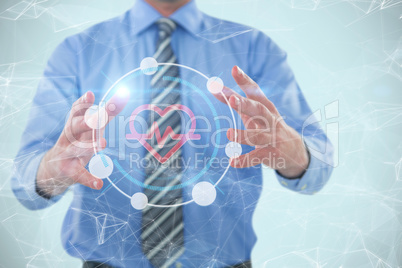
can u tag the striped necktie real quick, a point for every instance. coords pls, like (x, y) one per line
(162, 225)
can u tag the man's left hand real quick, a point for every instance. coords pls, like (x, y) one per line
(277, 145)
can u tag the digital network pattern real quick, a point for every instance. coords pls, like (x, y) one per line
(346, 51)
(102, 166)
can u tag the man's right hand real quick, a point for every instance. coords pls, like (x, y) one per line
(64, 164)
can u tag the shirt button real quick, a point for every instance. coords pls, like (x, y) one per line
(178, 264)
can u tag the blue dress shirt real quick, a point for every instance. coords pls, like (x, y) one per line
(102, 225)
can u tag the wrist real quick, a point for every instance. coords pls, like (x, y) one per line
(300, 166)
(48, 183)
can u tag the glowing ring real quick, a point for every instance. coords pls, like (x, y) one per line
(184, 184)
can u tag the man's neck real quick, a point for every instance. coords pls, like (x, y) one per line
(166, 7)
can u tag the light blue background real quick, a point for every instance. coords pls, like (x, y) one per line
(346, 51)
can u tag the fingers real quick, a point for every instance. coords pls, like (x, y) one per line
(87, 179)
(246, 160)
(75, 124)
(255, 97)
(81, 105)
(117, 102)
(246, 84)
(254, 109)
(248, 122)
(101, 144)
(252, 89)
(85, 150)
(113, 107)
(224, 97)
(254, 137)
(225, 94)
(253, 158)
(79, 126)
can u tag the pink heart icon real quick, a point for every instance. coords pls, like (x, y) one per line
(154, 130)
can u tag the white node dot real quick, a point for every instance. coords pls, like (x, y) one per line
(96, 117)
(101, 166)
(215, 85)
(139, 201)
(233, 149)
(149, 66)
(204, 193)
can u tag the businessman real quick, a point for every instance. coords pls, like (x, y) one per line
(100, 227)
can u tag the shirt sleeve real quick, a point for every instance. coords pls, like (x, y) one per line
(56, 92)
(269, 68)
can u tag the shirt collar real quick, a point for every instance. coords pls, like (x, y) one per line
(144, 15)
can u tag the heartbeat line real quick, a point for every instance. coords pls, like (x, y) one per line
(154, 130)
(161, 140)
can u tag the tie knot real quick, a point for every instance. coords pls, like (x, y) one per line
(166, 26)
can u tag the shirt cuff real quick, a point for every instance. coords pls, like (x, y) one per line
(310, 182)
